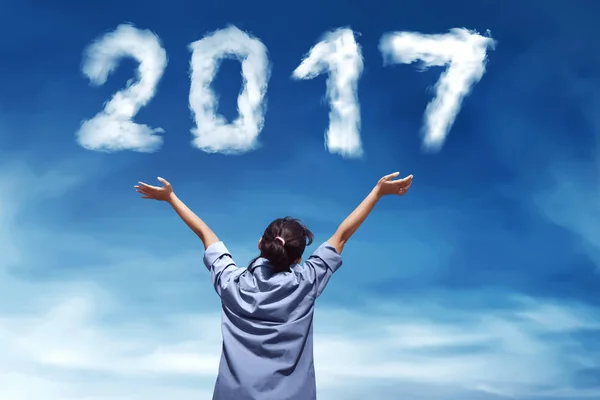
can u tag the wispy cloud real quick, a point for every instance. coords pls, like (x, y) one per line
(565, 182)
(212, 132)
(113, 128)
(64, 342)
(510, 353)
(339, 56)
(505, 354)
(463, 51)
(572, 202)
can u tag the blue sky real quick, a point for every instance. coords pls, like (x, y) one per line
(482, 283)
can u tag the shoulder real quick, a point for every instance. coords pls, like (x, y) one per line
(215, 252)
(327, 253)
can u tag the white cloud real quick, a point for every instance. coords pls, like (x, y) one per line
(564, 181)
(338, 55)
(463, 51)
(572, 201)
(502, 352)
(65, 341)
(113, 128)
(212, 132)
(70, 338)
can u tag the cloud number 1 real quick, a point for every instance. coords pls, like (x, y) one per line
(338, 55)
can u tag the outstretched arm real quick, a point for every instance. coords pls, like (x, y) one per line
(194, 222)
(165, 193)
(385, 186)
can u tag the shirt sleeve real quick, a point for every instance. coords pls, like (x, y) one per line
(322, 264)
(220, 264)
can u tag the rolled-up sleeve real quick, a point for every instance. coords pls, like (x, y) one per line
(322, 264)
(219, 262)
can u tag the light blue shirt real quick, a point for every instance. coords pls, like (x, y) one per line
(268, 325)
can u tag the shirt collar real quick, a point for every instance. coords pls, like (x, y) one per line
(259, 262)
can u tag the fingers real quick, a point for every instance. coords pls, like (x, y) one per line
(163, 181)
(403, 182)
(145, 195)
(390, 176)
(147, 186)
(141, 189)
(402, 190)
(147, 191)
(402, 185)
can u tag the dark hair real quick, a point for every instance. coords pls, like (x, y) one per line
(280, 255)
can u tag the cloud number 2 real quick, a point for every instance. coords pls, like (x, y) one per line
(113, 128)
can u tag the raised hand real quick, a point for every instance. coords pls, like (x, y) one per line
(399, 187)
(154, 192)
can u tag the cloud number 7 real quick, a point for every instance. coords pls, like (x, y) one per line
(465, 54)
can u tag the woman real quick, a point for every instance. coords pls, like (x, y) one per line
(268, 306)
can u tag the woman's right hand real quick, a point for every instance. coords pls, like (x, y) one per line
(163, 193)
(399, 187)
